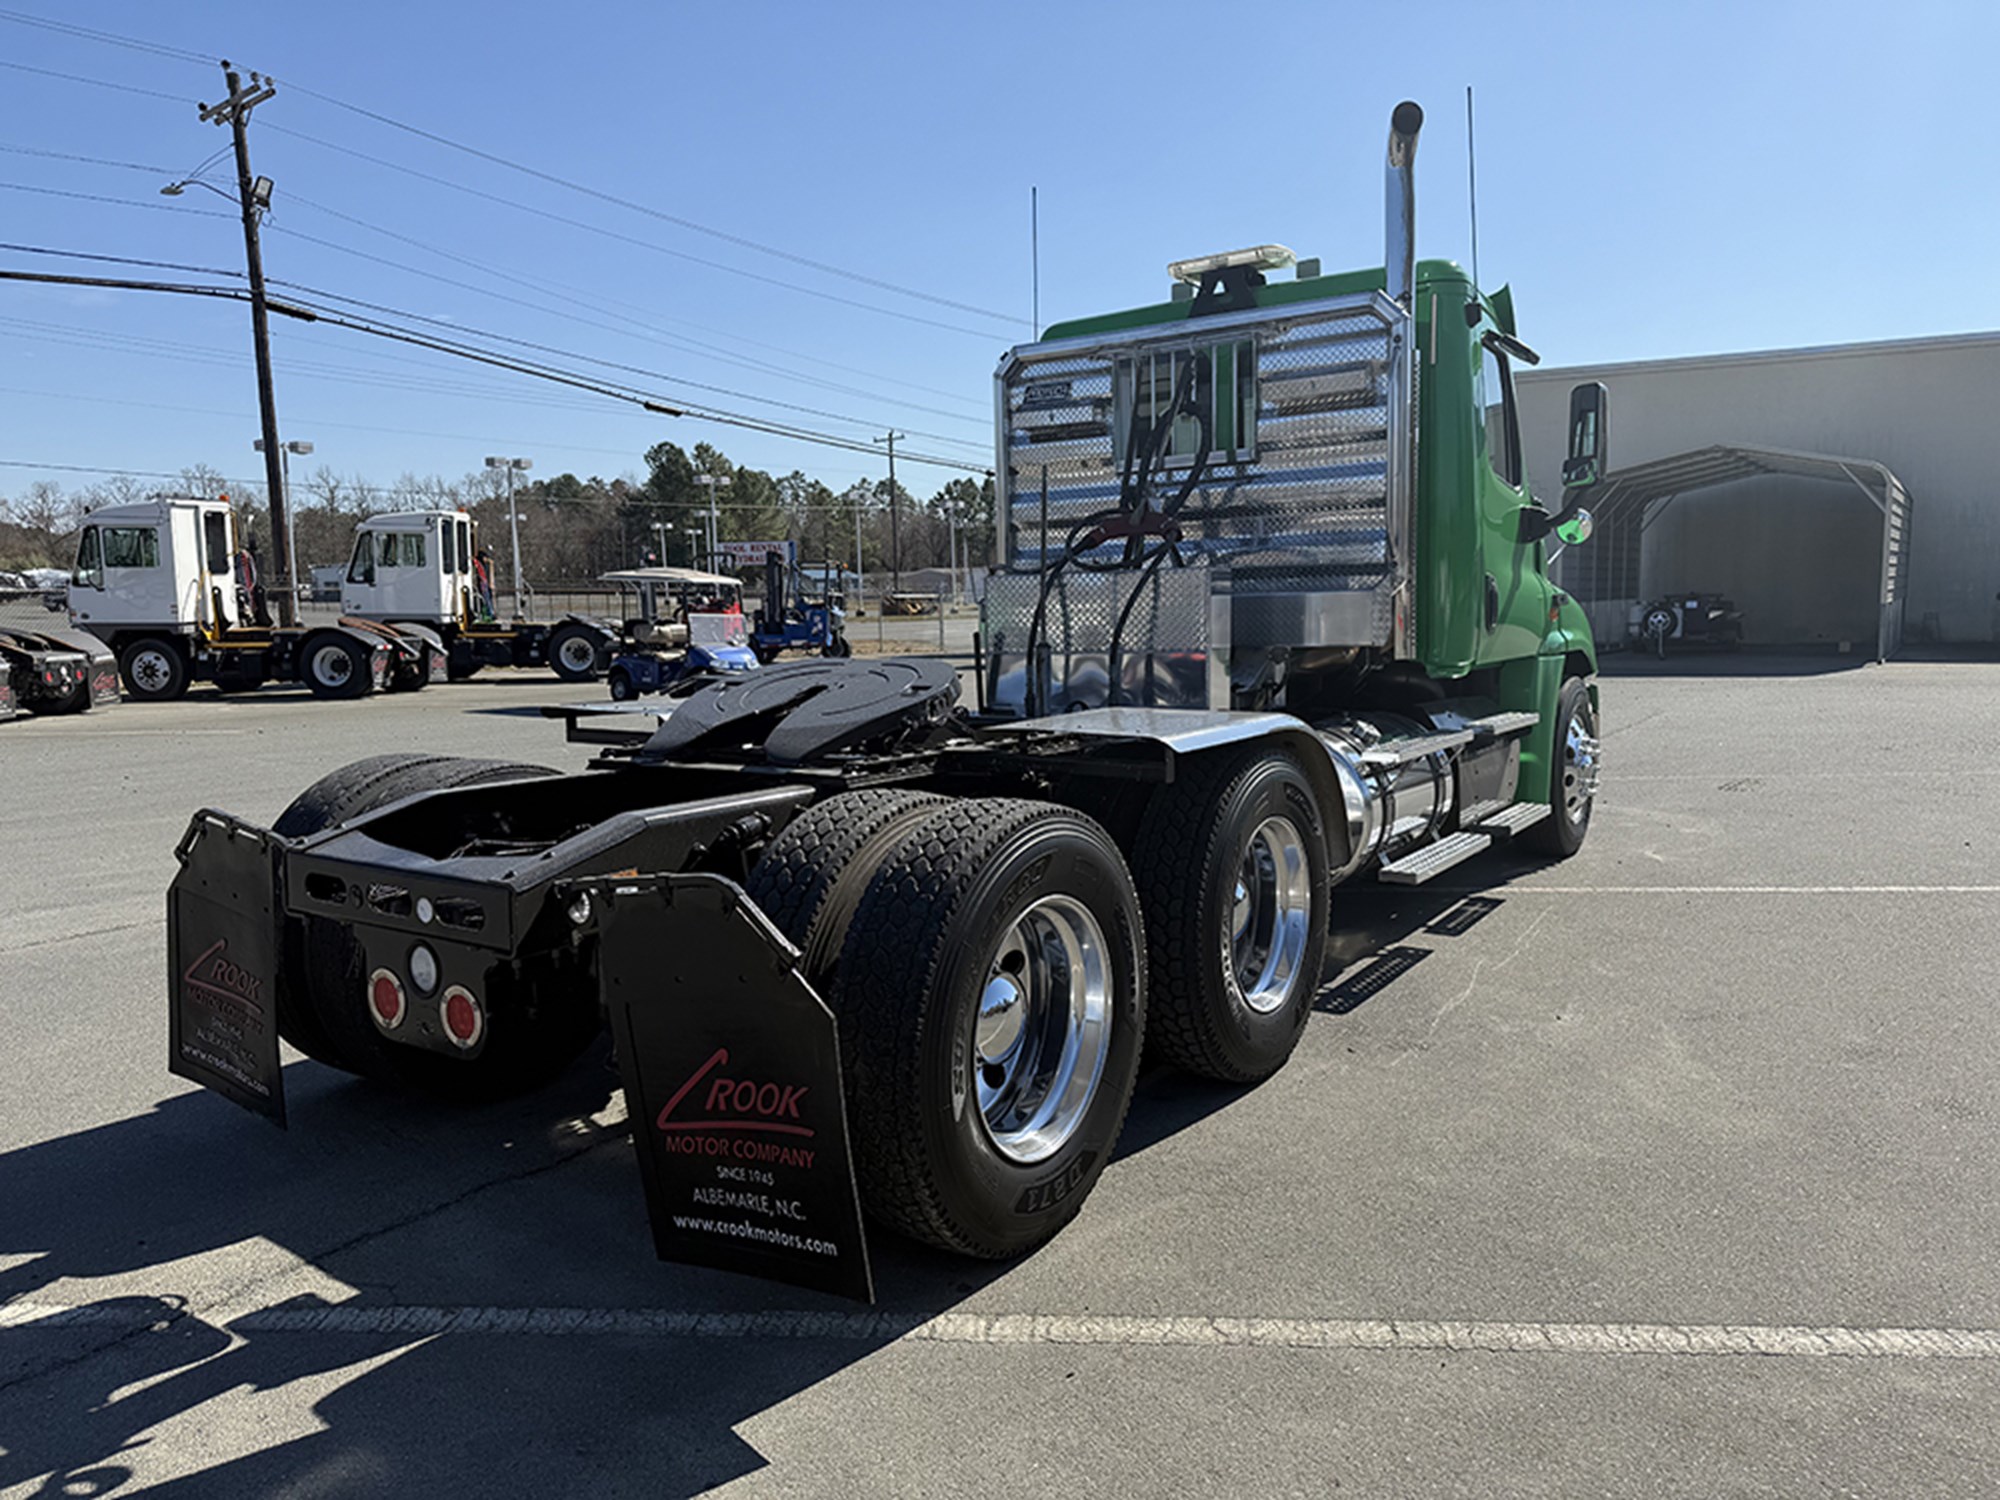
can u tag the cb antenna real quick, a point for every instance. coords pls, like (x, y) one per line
(1472, 186)
(1035, 250)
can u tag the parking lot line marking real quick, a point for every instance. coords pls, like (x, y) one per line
(1718, 890)
(1700, 1340)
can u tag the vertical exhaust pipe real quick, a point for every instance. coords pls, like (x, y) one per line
(1400, 202)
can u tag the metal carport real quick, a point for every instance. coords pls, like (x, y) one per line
(1630, 500)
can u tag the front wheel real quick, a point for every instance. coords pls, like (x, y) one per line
(1573, 774)
(154, 670)
(990, 996)
(573, 653)
(623, 688)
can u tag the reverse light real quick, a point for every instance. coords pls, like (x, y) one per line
(423, 969)
(463, 1017)
(387, 1004)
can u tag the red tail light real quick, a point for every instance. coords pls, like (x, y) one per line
(387, 1004)
(463, 1017)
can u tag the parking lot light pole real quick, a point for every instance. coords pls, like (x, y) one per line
(285, 452)
(711, 482)
(513, 466)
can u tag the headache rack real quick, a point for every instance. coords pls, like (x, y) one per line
(1297, 532)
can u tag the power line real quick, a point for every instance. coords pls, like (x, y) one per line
(680, 380)
(610, 307)
(120, 260)
(559, 376)
(165, 208)
(70, 28)
(93, 161)
(700, 260)
(591, 359)
(102, 83)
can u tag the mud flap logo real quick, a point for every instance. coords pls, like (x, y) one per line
(230, 1001)
(1046, 1194)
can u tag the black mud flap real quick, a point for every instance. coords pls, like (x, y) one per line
(222, 963)
(731, 1066)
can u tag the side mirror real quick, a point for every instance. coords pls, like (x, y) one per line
(1589, 417)
(1577, 529)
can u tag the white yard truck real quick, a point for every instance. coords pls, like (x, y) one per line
(418, 567)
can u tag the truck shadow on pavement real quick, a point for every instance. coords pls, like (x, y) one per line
(375, 1200)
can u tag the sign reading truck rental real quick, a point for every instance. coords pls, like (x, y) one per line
(731, 1067)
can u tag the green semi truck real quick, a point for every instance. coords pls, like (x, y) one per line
(1271, 612)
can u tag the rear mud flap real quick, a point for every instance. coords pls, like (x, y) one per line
(222, 963)
(731, 1066)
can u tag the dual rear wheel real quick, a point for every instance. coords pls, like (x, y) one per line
(996, 970)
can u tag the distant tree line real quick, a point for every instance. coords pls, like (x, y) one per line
(572, 528)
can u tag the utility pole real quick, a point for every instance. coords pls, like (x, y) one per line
(895, 540)
(255, 196)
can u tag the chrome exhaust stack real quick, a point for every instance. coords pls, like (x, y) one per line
(1400, 203)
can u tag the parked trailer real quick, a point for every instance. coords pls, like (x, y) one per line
(423, 568)
(169, 587)
(863, 946)
(54, 672)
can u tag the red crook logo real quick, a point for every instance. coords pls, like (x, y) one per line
(738, 1103)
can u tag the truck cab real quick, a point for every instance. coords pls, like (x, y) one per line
(166, 564)
(411, 565)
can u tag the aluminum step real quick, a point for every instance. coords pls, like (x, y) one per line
(1416, 747)
(1434, 859)
(1509, 820)
(1499, 725)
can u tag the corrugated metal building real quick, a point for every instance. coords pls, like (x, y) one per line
(1807, 559)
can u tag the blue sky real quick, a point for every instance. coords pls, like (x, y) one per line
(1654, 180)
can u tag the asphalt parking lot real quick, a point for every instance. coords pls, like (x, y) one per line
(1668, 1170)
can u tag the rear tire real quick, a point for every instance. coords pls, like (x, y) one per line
(154, 670)
(1573, 772)
(623, 689)
(336, 666)
(813, 875)
(1232, 870)
(991, 1003)
(574, 654)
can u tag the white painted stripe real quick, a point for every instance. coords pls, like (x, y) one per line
(1700, 1340)
(1718, 890)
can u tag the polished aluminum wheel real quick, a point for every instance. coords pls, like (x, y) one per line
(1270, 915)
(577, 654)
(1580, 768)
(1043, 1030)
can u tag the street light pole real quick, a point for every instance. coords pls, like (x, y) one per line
(513, 466)
(710, 482)
(285, 452)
